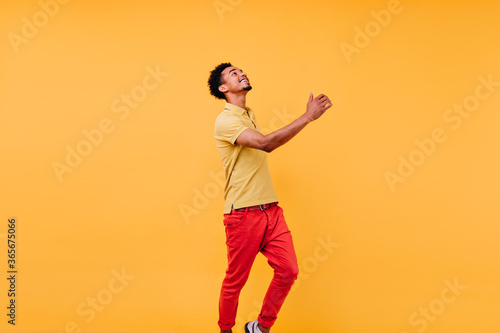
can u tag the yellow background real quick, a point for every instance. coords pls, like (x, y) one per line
(122, 207)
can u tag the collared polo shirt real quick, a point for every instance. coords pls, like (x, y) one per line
(248, 181)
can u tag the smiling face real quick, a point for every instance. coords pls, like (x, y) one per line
(234, 81)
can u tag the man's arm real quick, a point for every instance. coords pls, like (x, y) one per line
(253, 139)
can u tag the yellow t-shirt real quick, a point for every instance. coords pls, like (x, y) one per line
(248, 181)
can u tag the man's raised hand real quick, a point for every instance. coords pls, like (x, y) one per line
(316, 106)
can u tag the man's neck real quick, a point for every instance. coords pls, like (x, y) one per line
(238, 100)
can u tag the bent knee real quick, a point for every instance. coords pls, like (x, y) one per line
(294, 271)
(289, 274)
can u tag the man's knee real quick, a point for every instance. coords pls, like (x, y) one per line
(289, 274)
(294, 271)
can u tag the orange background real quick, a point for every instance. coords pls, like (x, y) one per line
(145, 200)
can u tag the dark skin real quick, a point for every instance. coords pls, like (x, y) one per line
(235, 87)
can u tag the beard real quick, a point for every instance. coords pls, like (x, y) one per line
(248, 88)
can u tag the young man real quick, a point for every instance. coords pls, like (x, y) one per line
(253, 220)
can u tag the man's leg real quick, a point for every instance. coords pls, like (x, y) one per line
(244, 236)
(279, 250)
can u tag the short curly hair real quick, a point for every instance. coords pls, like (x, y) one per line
(215, 80)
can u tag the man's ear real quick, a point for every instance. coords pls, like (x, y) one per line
(223, 88)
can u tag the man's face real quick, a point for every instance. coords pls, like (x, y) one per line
(235, 80)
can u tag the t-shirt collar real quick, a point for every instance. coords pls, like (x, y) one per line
(236, 109)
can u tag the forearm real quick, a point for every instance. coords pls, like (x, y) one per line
(283, 135)
(254, 139)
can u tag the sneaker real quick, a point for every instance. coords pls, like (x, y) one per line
(252, 327)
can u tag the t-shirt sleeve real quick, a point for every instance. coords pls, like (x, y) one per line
(229, 127)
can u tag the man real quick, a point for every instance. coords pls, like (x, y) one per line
(253, 220)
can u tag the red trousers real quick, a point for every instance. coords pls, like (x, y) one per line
(247, 234)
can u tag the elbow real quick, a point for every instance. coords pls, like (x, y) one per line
(267, 149)
(267, 146)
